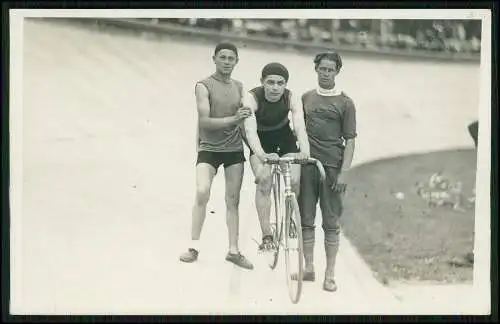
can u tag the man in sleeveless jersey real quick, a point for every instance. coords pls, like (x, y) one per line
(269, 135)
(220, 115)
(331, 127)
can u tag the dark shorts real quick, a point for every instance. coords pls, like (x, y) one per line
(281, 141)
(215, 159)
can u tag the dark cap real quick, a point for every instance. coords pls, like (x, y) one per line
(225, 45)
(275, 69)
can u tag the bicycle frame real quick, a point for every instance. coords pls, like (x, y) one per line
(283, 168)
(278, 171)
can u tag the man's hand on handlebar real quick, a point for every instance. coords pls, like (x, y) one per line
(301, 156)
(268, 157)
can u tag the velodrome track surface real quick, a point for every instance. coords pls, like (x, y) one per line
(108, 175)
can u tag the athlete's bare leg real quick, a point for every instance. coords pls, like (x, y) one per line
(205, 174)
(262, 175)
(234, 178)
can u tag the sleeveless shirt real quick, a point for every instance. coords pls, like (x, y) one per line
(225, 98)
(271, 115)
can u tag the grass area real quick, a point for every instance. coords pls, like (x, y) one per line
(406, 239)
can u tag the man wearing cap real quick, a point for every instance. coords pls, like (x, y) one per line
(269, 135)
(219, 142)
(331, 126)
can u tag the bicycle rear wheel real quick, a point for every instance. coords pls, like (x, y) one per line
(293, 248)
(276, 217)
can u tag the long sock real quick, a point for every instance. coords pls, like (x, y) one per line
(331, 250)
(308, 241)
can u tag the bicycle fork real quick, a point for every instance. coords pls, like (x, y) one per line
(286, 172)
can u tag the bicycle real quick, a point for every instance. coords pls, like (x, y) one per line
(290, 220)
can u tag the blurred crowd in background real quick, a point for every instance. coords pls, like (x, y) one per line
(462, 36)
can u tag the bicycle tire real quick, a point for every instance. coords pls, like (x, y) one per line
(292, 218)
(278, 218)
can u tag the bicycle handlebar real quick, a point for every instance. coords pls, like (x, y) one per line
(294, 160)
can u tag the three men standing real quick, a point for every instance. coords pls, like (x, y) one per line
(324, 121)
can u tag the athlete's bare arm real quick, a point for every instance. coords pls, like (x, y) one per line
(203, 106)
(251, 126)
(299, 124)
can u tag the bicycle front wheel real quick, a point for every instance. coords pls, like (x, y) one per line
(293, 248)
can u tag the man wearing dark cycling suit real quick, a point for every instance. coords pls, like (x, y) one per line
(269, 134)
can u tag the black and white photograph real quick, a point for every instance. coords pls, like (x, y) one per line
(250, 162)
